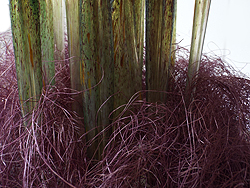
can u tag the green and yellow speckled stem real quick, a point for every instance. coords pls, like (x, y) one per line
(160, 17)
(25, 23)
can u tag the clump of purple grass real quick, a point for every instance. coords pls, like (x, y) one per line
(205, 144)
(172, 144)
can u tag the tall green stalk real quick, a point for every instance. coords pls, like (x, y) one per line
(58, 22)
(88, 49)
(72, 12)
(105, 68)
(128, 25)
(139, 18)
(47, 41)
(25, 23)
(198, 35)
(160, 16)
(96, 49)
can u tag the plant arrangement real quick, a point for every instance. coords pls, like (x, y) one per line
(109, 111)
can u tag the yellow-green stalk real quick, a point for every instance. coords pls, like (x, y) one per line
(47, 41)
(25, 23)
(88, 51)
(58, 22)
(160, 16)
(201, 12)
(174, 45)
(128, 25)
(96, 73)
(105, 69)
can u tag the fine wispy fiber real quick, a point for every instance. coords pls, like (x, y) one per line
(174, 144)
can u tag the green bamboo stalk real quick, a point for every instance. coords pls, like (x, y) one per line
(58, 22)
(198, 35)
(25, 23)
(47, 41)
(127, 22)
(159, 34)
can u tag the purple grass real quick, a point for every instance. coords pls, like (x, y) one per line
(204, 144)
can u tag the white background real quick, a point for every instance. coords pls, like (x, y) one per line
(4, 15)
(227, 35)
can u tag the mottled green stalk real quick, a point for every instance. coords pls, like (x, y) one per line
(25, 22)
(88, 49)
(96, 61)
(47, 41)
(58, 22)
(198, 35)
(105, 67)
(160, 16)
(127, 21)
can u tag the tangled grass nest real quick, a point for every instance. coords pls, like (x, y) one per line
(202, 144)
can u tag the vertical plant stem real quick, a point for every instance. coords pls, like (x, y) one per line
(173, 50)
(128, 42)
(160, 16)
(139, 18)
(72, 12)
(25, 22)
(173, 47)
(96, 45)
(201, 13)
(47, 41)
(58, 22)
(105, 67)
(87, 48)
